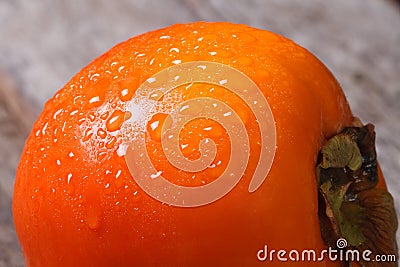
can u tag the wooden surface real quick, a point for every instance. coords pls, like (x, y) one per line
(44, 43)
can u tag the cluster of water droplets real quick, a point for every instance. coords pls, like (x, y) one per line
(143, 107)
(99, 130)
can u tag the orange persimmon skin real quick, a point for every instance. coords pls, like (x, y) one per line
(76, 203)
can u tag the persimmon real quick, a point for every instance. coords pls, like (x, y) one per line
(83, 195)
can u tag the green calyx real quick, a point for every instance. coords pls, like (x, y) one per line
(350, 205)
(340, 152)
(348, 226)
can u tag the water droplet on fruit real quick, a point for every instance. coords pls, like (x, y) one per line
(94, 76)
(174, 49)
(127, 89)
(69, 177)
(124, 92)
(94, 100)
(97, 95)
(110, 144)
(224, 81)
(154, 127)
(192, 109)
(183, 146)
(104, 116)
(117, 206)
(128, 115)
(107, 189)
(87, 135)
(101, 155)
(156, 95)
(101, 133)
(81, 121)
(92, 220)
(57, 113)
(92, 117)
(215, 132)
(92, 202)
(115, 121)
(73, 112)
(44, 128)
(101, 144)
(155, 175)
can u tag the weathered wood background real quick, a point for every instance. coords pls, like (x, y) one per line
(44, 43)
